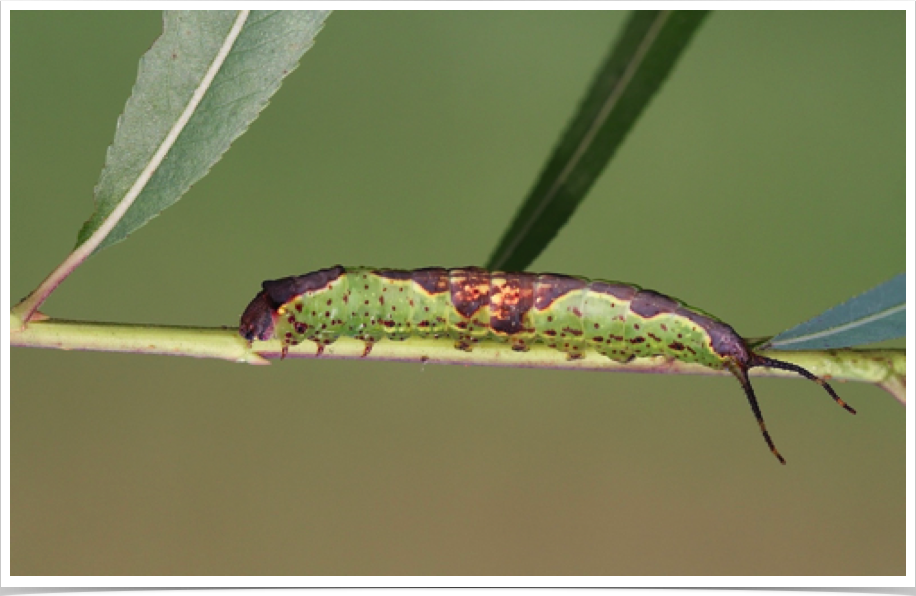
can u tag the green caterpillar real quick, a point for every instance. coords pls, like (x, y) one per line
(470, 305)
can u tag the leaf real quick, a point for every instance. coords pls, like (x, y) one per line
(877, 315)
(643, 56)
(198, 88)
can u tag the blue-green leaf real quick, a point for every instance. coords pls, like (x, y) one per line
(198, 88)
(877, 315)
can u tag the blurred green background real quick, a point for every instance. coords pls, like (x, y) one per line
(765, 183)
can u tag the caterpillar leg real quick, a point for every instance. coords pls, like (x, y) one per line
(519, 345)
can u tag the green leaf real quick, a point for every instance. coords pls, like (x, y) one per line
(198, 88)
(877, 315)
(644, 55)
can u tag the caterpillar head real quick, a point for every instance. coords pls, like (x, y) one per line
(259, 318)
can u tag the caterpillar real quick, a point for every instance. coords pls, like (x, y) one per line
(469, 305)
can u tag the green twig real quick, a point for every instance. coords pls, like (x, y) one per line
(885, 368)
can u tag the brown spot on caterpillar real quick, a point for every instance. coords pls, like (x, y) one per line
(470, 289)
(549, 287)
(282, 290)
(637, 340)
(395, 274)
(432, 280)
(617, 290)
(648, 304)
(598, 338)
(653, 336)
(511, 297)
(676, 346)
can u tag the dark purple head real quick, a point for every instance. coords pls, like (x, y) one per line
(259, 318)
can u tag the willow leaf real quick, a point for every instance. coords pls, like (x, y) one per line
(642, 58)
(198, 88)
(877, 315)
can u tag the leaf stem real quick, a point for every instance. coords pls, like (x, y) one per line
(25, 310)
(885, 367)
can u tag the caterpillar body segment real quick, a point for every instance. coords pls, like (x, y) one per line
(471, 305)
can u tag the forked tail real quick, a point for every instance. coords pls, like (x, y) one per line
(757, 360)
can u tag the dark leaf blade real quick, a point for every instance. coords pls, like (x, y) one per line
(877, 315)
(643, 56)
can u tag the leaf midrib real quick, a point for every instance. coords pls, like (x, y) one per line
(586, 142)
(841, 328)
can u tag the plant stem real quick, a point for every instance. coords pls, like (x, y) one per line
(25, 310)
(886, 367)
